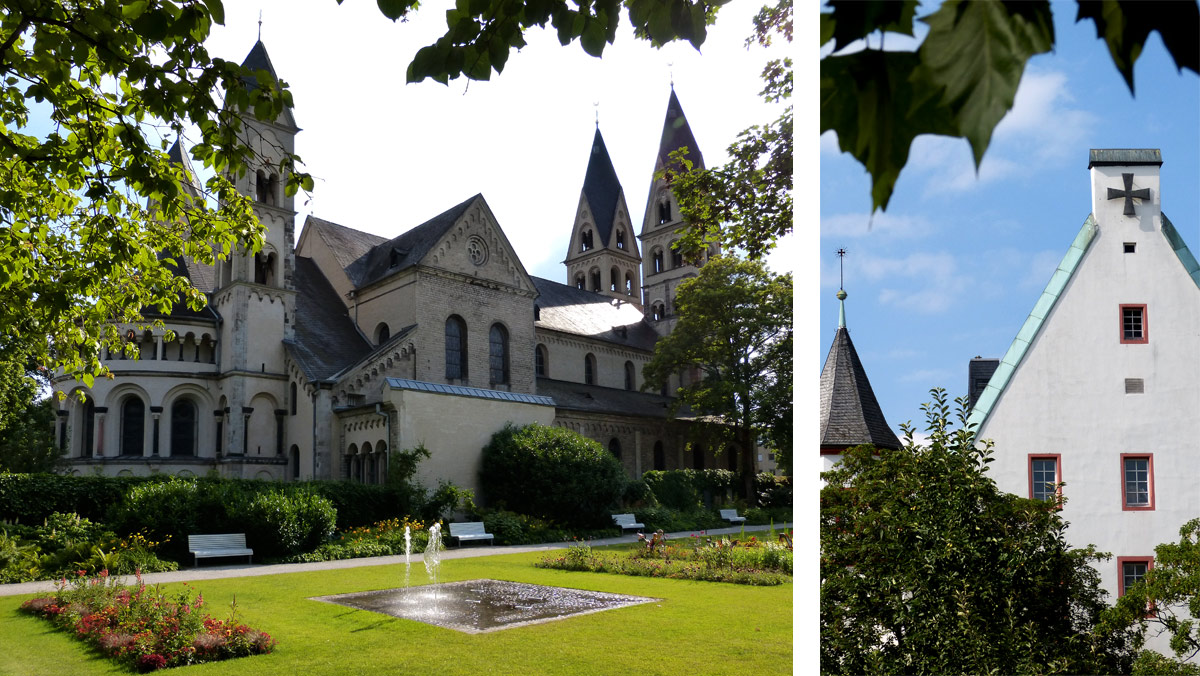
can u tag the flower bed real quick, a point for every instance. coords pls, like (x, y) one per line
(749, 561)
(146, 629)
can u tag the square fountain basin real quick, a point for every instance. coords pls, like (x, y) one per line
(480, 606)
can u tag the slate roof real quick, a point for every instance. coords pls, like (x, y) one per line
(176, 155)
(410, 247)
(463, 391)
(326, 340)
(596, 399)
(677, 134)
(257, 60)
(850, 414)
(1125, 157)
(180, 309)
(587, 313)
(347, 244)
(601, 187)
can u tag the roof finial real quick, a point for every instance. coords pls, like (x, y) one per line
(671, 73)
(596, 105)
(841, 294)
(260, 25)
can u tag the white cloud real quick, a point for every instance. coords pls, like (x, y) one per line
(829, 143)
(881, 224)
(924, 283)
(932, 377)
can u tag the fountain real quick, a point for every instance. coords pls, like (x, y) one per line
(433, 555)
(407, 553)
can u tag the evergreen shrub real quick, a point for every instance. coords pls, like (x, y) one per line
(551, 473)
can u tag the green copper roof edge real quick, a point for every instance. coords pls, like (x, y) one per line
(1181, 251)
(1033, 325)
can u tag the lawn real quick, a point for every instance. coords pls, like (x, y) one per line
(697, 628)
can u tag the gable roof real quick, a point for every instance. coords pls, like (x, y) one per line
(1049, 298)
(601, 187)
(850, 414)
(677, 134)
(591, 315)
(346, 244)
(326, 340)
(405, 250)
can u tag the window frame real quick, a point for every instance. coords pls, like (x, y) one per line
(1057, 458)
(1149, 506)
(461, 349)
(589, 369)
(541, 357)
(498, 361)
(1145, 324)
(1151, 611)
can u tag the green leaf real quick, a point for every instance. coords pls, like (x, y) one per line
(1125, 26)
(855, 19)
(975, 53)
(394, 9)
(878, 117)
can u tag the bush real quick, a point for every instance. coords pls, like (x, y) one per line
(674, 488)
(281, 524)
(773, 491)
(30, 498)
(551, 473)
(638, 494)
(673, 520)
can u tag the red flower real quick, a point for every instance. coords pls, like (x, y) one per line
(151, 662)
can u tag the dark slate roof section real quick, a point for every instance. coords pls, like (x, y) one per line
(326, 339)
(462, 391)
(256, 60)
(180, 309)
(595, 399)
(347, 244)
(1124, 157)
(406, 250)
(601, 187)
(850, 414)
(587, 313)
(677, 134)
(176, 155)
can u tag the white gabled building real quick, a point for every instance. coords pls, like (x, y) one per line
(1100, 390)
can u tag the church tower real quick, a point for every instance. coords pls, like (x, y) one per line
(603, 253)
(664, 269)
(255, 294)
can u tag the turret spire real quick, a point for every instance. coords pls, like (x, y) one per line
(841, 294)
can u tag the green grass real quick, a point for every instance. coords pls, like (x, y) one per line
(698, 628)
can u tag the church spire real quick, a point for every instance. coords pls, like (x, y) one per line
(677, 134)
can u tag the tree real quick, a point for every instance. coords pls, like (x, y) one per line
(747, 202)
(927, 567)
(735, 332)
(93, 213)
(963, 78)
(1172, 589)
(26, 423)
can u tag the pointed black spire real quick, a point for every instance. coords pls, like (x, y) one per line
(850, 414)
(601, 187)
(677, 134)
(256, 60)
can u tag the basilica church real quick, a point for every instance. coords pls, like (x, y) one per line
(319, 355)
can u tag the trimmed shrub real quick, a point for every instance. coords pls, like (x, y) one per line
(638, 494)
(551, 473)
(674, 488)
(30, 498)
(774, 492)
(279, 523)
(673, 520)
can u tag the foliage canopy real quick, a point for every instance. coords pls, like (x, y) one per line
(963, 78)
(927, 567)
(94, 214)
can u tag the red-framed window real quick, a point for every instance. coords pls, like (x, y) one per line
(1131, 569)
(1045, 472)
(1137, 481)
(1135, 324)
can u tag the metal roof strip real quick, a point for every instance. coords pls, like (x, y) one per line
(1033, 323)
(462, 391)
(1181, 251)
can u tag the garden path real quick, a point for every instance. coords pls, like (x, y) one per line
(251, 570)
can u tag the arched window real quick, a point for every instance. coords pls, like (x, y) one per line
(614, 279)
(676, 256)
(589, 369)
(537, 313)
(658, 259)
(620, 239)
(262, 186)
(657, 312)
(664, 210)
(731, 458)
(89, 427)
(498, 355)
(183, 428)
(382, 333)
(630, 376)
(580, 281)
(660, 458)
(628, 284)
(585, 240)
(294, 460)
(595, 279)
(456, 348)
(292, 398)
(698, 458)
(273, 190)
(264, 268)
(614, 447)
(133, 426)
(539, 360)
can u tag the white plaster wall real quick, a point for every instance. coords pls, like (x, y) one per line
(1067, 396)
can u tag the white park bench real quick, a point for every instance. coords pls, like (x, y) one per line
(626, 522)
(210, 546)
(731, 516)
(469, 530)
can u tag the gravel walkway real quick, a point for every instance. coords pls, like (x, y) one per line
(251, 570)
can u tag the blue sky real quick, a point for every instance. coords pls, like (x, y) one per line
(955, 264)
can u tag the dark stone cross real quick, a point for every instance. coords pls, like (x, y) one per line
(1129, 193)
